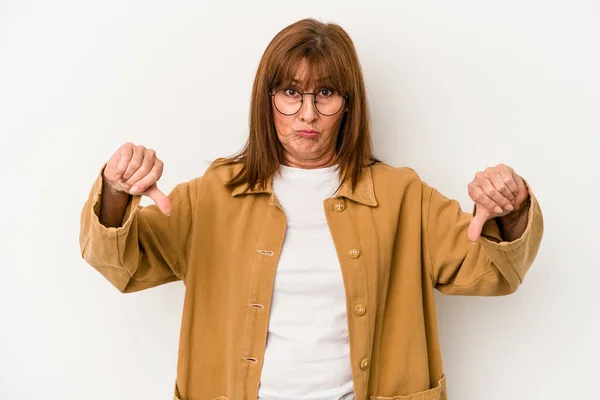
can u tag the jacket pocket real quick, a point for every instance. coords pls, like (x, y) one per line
(437, 393)
(176, 393)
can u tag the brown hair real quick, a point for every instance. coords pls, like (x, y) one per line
(329, 53)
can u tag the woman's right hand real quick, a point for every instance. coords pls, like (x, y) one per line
(135, 170)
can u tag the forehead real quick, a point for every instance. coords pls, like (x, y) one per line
(302, 73)
(305, 74)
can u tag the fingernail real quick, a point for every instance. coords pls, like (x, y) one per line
(498, 210)
(134, 189)
(509, 207)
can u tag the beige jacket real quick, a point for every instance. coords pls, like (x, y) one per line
(397, 240)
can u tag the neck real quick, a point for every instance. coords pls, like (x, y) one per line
(323, 162)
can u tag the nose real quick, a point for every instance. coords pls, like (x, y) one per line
(308, 111)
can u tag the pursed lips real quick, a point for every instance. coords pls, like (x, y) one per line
(309, 133)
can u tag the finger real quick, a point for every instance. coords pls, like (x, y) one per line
(160, 199)
(134, 163)
(498, 198)
(151, 178)
(147, 165)
(125, 153)
(499, 192)
(111, 166)
(481, 198)
(477, 223)
(500, 185)
(522, 188)
(507, 176)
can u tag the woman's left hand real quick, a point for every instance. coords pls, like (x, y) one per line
(497, 192)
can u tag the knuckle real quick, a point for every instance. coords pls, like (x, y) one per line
(125, 157)
(151, 153)
(153, 177)
(142, 171)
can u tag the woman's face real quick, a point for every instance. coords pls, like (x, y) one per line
(308, 138)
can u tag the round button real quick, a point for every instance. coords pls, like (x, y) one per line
(360, 309)
(353, 253)
(339, 206)
(364, 364)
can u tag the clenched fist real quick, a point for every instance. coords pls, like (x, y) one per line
(497, 192)
(135, 170)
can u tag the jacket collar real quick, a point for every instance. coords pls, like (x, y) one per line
(364, 193)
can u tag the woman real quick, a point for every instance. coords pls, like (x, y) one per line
(309, 265)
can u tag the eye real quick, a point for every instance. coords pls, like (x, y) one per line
(290, 92)
(325, 92)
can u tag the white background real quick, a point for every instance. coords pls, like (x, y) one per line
(454, 87)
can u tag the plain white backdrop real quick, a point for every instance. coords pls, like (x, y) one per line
(453, 87)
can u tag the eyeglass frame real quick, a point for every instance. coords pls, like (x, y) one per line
(344, 98)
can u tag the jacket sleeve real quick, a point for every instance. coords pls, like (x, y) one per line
(148, 249)
(490, 267)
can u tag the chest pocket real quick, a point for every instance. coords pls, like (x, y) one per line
(437, 393)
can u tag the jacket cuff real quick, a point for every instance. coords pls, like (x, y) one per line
(132, 206)
(521, 250)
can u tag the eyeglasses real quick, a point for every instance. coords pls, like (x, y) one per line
(328, 102)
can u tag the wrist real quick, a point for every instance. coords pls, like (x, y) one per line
(516, 215)
(106, 184)
(513, 225)
(111, 189)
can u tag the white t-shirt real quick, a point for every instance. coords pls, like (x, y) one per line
(307, 355)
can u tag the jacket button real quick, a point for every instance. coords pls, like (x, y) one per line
(364, 364)
(353, 253)
(339, 206)
(360, 309)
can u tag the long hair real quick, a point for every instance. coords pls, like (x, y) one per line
(329, 53)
